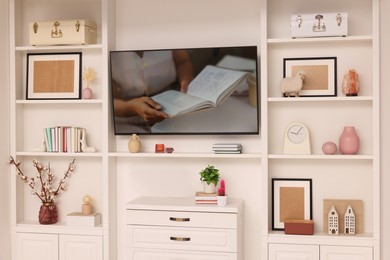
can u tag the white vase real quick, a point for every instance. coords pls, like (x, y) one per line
(222, 200)
(209, 188)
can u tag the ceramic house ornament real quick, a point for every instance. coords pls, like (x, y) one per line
(333, 221)
(349, 221)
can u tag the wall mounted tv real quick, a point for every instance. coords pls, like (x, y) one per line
(155, 91)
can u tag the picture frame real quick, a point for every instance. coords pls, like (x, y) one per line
(320, 75)
(54, 75)
(291, 199)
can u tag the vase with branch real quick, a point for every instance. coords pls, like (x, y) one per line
(42, 186)
(88, 76)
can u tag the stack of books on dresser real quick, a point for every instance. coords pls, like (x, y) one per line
(227, 148)
(205, 198)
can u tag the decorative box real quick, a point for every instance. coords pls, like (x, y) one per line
(298, 227)
(78, 219)
(319, 25)
(62, 32)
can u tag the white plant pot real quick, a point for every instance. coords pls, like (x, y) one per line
(222, 200)
(209, 188)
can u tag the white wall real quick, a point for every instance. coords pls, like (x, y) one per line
(385, 128)
(4, 136)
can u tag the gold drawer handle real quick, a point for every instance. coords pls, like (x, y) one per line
(179, 219)
(180, 238)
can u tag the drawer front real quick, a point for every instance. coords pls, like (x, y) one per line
(148, 254)
(217, 240)
(181, 219)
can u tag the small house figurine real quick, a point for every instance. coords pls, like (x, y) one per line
(333, 221)
(349, 221)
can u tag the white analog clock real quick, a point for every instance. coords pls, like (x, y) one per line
(297, 139)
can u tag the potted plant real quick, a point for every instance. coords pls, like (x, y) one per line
(210, 177)
(222, 196)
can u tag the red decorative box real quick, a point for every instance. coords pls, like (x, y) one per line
(299, 227)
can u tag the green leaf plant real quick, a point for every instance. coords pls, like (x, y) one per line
(209, 175)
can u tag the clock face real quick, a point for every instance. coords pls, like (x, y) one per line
(296, 133)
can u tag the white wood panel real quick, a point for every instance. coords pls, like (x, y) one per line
(30, 246)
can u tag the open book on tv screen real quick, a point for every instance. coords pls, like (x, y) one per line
(185, 91)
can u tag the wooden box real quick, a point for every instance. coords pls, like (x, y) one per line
(299, 227)
(319, 25)
(62, 32)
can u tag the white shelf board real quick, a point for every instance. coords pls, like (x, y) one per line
(321, 238)
(321, 156)
(29, 226)
(185, 155)
(59, 101)
(321, 99)
(30, 48)
(349, 39)
(57, 154)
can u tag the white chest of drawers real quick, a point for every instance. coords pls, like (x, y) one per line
(176, 228)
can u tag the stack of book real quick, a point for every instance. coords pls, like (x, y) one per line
(227, 148)
(205, 198)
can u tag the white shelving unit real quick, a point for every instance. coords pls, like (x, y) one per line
(113, 176)
(29, 118)
(335, 176)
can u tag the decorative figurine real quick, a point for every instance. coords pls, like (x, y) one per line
(349, 221)
(350, 85)
(333, 221)
(83, 142)
(291, 86)
(87, 206)
(169, 150)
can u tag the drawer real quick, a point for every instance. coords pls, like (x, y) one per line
(217, 240)
(147, 254)
(181, 219)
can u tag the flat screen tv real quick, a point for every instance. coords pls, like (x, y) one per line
(150, 87)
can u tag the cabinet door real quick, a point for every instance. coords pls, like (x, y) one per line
(346, 253)
(30, 246)
(81, 247)
(293, 252)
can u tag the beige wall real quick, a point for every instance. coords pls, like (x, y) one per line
(385, 128)
(4, 136)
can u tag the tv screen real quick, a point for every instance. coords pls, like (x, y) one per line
(185, 91)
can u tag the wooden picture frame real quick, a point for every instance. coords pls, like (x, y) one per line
(291, 199)
(53, 75)
(320, 75)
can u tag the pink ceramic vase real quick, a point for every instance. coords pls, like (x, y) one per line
(87, 93)
(349, 142)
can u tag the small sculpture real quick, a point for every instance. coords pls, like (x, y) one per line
(349, 221)
(83, 141)
(291, 86)
(333, 221)
(350, 85)
(87, 206)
